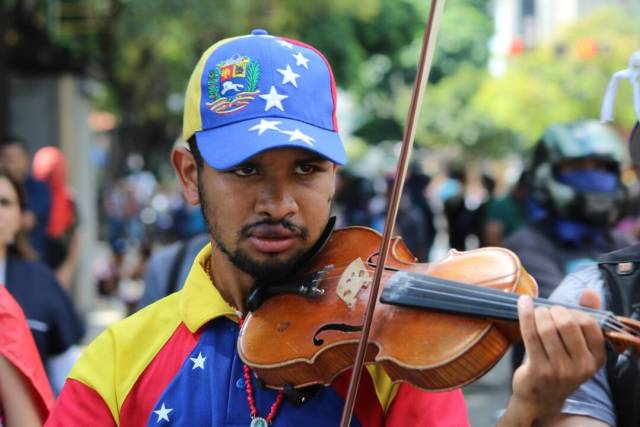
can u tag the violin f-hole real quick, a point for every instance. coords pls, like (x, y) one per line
(341, 327)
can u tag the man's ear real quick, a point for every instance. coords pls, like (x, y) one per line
(187, 171)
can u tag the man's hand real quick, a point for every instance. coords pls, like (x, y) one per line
(564, 349)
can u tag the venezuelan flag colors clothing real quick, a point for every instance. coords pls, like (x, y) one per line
(175, 363)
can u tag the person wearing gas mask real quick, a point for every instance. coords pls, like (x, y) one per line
(611, 396)
(579, 197)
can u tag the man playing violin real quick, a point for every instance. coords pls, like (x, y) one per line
(262, 163)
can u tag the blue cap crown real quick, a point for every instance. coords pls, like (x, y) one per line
(258, 92)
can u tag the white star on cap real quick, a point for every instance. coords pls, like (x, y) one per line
(301, 60)
(295, 135)
(198, 362)
(288, 76)
(285, 43)
(274, 99)
(265, 125)
(163, 413)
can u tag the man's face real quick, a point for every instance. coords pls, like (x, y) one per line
(15, 160)
(265, 213)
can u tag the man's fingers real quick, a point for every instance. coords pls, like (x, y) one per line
(569, 329)
(528, 330)
(549, 335)
(593, 336)
(590, 298)
(591, 328)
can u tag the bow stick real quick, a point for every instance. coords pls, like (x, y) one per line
(422, 74)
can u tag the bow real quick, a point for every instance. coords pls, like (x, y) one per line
(422, 74)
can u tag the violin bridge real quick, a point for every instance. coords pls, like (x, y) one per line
(353, 278)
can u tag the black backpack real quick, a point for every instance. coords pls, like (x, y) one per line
(621, 273)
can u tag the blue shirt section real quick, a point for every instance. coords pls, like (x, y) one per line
(52, 319)
(209, 390)
(593, 398)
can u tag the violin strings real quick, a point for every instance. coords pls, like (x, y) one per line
(509, 300)
(473, 288)
(604, 317)
(495, 294)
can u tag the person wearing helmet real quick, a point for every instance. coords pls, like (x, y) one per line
(611, 396)
(579, 197)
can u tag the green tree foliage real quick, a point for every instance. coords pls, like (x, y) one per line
(448, 117)
(461, 48)
(556, 83)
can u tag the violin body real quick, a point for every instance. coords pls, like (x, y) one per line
(298, 340)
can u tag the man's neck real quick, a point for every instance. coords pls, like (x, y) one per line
(233, 284)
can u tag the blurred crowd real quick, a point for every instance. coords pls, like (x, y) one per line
(569, 205)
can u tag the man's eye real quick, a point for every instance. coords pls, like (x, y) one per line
(245, 171)
(305, 169)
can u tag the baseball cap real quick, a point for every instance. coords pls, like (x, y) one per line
(257, 92)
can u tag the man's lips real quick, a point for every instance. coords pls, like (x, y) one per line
(272, 238)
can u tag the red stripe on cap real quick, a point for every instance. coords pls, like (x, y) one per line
(368, 409)
(334, 95)
(156, 377)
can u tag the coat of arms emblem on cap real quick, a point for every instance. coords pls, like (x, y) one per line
(232, 84)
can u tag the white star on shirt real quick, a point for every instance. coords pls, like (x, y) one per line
(285, 43)
(301, 60)
(295, 135)
(265, 125)
(274, 99)
(198, 362)
(288, 76)
(163, 413)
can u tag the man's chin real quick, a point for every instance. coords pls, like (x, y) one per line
(267, 266)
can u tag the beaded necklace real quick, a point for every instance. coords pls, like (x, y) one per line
(256, 421)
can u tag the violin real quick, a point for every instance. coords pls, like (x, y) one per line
(436, 325)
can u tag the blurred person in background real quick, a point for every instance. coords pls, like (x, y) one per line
(120, 207)
(356, 194)
(416, 187)
(61, 246)
(14, 157)
(55, 326)
(459, 217)
(575, 180)
(479, 215)
(169, 266)
(611, 396)
(506, 214)
(25, 394)
(411, 223)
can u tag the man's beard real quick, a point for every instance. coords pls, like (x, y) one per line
(269, 271)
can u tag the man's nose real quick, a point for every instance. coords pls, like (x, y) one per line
(276, 200)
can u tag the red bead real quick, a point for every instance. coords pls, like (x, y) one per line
(249, 389)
